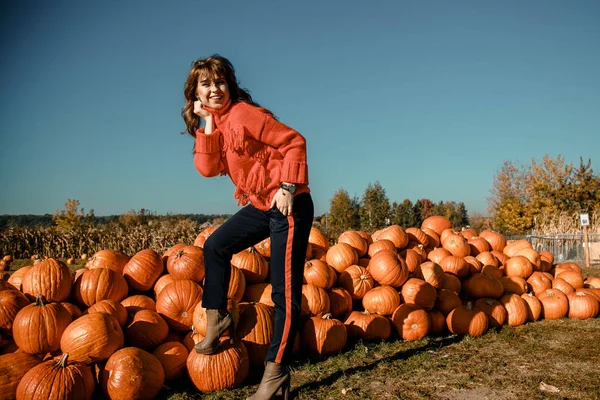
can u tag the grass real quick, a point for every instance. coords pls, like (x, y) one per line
(541, 360)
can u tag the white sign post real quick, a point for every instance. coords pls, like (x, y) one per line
(585, 222)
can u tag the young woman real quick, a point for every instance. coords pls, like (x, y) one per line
(266, 160)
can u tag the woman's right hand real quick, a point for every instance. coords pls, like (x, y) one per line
(201, 112)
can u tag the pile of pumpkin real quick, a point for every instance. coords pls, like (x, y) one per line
(125, 324)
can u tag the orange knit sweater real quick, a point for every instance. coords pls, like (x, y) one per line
(255, 150)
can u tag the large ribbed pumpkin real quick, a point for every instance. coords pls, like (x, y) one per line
(480, 285)
(255, 330)
(176, 303)
(187, 263)
(315, 301)
(16, 279)
(318, 240)
(132, 373)
(111, 259)
(411, 321)
(323, 335)
(143, 269)
(511, 249)
(383, 244)
(447, 301)
(367, 326)
(431, 273)
(92, 338)
(252, 264)
(456, 244)
(237, 284)
(455, 265)
(99, 284)
(382, 300)
(466, 320)
(518, 266)
(497, 314)
(50, 278)
(38, 327)
(225, 369)
(11, 302)
(388, 269)
(12, 368)
(260, 293)
(534, 307)
(436, 223)
(57, 379)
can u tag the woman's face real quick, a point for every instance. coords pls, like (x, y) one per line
(212, 92)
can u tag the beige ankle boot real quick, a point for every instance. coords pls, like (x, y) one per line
(217, 322)
(276, 376)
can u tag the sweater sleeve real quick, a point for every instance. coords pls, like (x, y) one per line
(290, 143)
(208, 153)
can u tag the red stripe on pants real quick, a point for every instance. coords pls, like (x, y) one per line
(288, 289)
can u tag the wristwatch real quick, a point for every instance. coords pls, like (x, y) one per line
(290, 187)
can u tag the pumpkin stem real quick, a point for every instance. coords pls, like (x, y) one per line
(62, 363)
(40, 300)
(326, 316)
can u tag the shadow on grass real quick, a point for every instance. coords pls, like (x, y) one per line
(433, 344)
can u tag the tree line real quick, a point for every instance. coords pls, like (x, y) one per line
(374, 210)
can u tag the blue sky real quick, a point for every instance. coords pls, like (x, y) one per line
(426, 97)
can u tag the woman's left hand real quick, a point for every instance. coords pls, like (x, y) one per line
(283, 200)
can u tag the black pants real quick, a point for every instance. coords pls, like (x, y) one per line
(289, 240)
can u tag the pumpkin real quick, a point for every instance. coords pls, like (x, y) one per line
(574, 278)
(354, 239)
(412, 259)
(161, 283)
(73, 310)
(555, 304)
(381, 300)
(340, 256)
(411, 322)
(437, 322)
(318, 240)
(264, 247)
(516, 308)
(50, 278)
(173, 357)
(454, 265)
(480, 285)
(456, 245)
(12, 368)
(111, 259)
(147, 329)
(533, 257)
(582, 306)
(187, 264)
(514, 284)
(110, 307)
(191, 339)
(383, 244)
(431, 273)
(11, 302)
(496, 240)
(253, 265)
(340, 302)
(592, 282)
(388, 269)
(323, 335)
(38, 327)
(176, 303)
(495, 311)
(255, 330)
(237, 284)
(138, 302)
(419, 292)
(132, 373)
(417, 235)
(170, 251)
(200, 321)
(356, 280)
(447, 301)
(16, 279)
(538, 282)
(438, 254)
(315, 301)
(512, 248)
(99, 284)
(492, 271)
(478, 245)
(518, 266)
(467, 320)
(436, 223)
(396, 234)
(487, 258)
(452, 283)
(225, 369)
(92, 338)
(57, 379)
(468, 232)
(143, 270)
(367, 326)
(501, 257)
(534, 307)
(318, 273)
(204, 234)
(260, 293)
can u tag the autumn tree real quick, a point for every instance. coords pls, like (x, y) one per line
(374, 209)
(69, 218)
(583, 191)
(343, 213)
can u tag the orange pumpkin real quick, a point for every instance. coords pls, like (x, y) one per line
(381, 300)
(356, 280)
(555, 304)
(516, 308)
(50, 278)
(13, 367)
(340, 302)
(367, 326)
(534, 307)
(436, 223)
(495, 311)
(252, 264)
(315, 301)
(176, 303)
(111, 259)
(143, 270)
(99, 284)
(187, 263)
(323, 335)
(11, 302)
(259, 293)
(419, 292)
(318, 273)
(354, 239)
(466, 320)
(147, 329)
(225, 369)
(340, 256)
(172, 356)
(92, 338)
(582, 306)
(388, 269)
(255, 330)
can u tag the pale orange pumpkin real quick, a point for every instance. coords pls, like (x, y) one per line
(438, 254)
(396, 234)
(478, 245)
(383, 244)
(538, 282)
(496, 240)
(455, 265)
(447, 301)
(534, 306)
(514, 284)
(574, 278)
(417, 235)
(431, 273)
(318, 240)
(340, 256)
(456, 245)
(512, 248)
(495, 311)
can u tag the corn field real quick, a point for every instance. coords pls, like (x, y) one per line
(157, 235)
(564, 223)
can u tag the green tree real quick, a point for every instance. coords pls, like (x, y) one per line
(403, 215)
(418, 213)
(374, 208)
(343, 213)
(583, 190)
